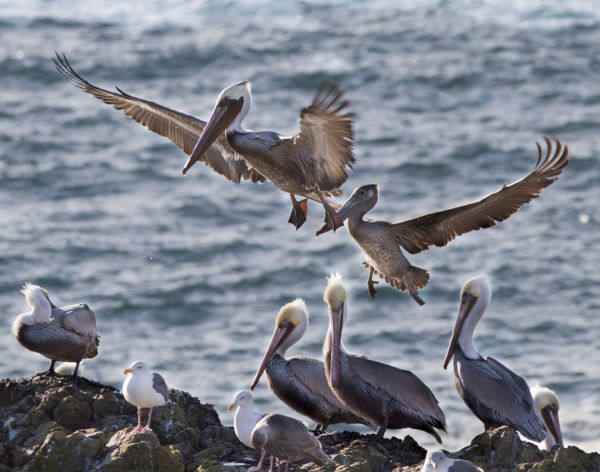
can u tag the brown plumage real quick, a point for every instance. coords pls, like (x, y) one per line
(381, 241)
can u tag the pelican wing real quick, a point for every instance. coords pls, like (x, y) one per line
(183, 130)
(503, 393)
(402, 385)
(79, 319)
(322, 149)
(443, 226)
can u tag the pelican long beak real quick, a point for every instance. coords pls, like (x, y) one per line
(231, 406)
(466, 305)
(281, 333)
(550, 417)
(223, 115)
(337, 320)
(342, 215)
(128, 371)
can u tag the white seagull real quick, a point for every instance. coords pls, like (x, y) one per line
(436, 461)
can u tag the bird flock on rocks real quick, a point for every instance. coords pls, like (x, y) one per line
(342, 387)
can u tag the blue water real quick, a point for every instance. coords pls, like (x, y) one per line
(188, 273)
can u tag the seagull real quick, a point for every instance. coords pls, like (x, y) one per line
(245, 417)
(546, 407)
(436, 461)
(382, 242)
(66, 334)
(144, 389)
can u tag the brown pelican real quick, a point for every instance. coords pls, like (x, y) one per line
(495, 394)
(144, 389)
(436, 461)
(546, 407)
(287, 439)
(300, 381)
(381, 241)
(387, 396)
(314, 163)
(66, 334)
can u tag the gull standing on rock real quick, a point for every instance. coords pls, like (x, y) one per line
(436, 461)
(382, 242)
(66, 334)
(144, 389)
(300, 382)
(546, 407)
(493, 392)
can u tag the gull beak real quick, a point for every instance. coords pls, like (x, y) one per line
(128, 371)
(231, 406)
(337, 319)
(279, 336)
(466, 305)
(223, 115)
(550, 417)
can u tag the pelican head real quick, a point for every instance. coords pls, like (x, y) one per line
(335, 296)
(231, 108)
(243, 399)
(475, 296)
(36, 296)
(290, 325)
(360, 202)
(546, 407)
(136, 367)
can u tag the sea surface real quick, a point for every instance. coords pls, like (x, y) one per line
(188, 273)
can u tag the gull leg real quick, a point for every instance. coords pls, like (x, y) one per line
(138, 429)
(260, 462)
(371, 284)
(331, 217)
(147, 428)
(299, 211)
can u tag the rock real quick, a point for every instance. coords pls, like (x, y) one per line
(50, 424)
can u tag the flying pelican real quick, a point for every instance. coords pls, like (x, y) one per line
(436, 461)
(387, 396)
(546, 407)
(381, 241)
(495, 394)
(314, 163)
(144, 389)
(287, 439)
(66, 334)
(300, 381)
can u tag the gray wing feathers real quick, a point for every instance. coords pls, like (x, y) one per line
(463, 466)
(312, 374)
(442, 227)
(159, 384)
(79, 319)
(183, 130)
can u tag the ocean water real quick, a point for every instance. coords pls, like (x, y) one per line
(187, 273)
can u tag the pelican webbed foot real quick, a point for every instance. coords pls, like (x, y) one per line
(299, 211)
(50, 372)
(332, 220)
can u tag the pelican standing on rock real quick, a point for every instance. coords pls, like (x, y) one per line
(287, 439)
(144, 389)
(382, 242)
(300, 381)
(546, 407)
(494, 393)
(66, 334)
(387, 396)
(436, 461)
(314, 163)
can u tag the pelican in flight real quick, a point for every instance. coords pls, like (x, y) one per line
(300, 381)
(436, 461)
(313, 163)
(387, 396)
(494, 393)
(546, 407)
(287, 439)
(66, 334)
(382, 242)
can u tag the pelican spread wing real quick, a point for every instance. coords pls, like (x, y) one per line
(443, 226)
(183, 130)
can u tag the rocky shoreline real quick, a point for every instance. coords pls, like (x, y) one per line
(47, 424)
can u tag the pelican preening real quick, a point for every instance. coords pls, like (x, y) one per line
(387, 396)
(381, 241)
(144, 389)
(494, 393)
(66, 334)
(436, 461)
(546, 407)
(300, 381)
(314, 163)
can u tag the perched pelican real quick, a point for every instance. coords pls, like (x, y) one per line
(287, 439)
(381, 241)
(495, 394)
(66, 334)
(436, 461)
(300, 381)
(387, 396)
(314, 163)
(546, 407)
(245, 417)
(144, 389)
